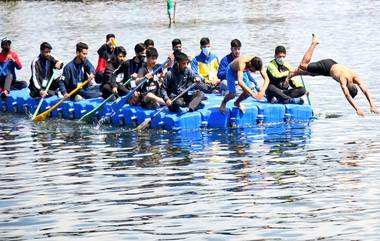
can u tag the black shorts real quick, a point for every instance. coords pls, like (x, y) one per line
(321, 67)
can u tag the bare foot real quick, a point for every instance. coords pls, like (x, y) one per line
(240, 106)
(315, 39)
(222, 108)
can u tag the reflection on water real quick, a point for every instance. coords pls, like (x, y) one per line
(61, 180)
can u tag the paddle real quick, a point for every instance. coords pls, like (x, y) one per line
(88, 117)
(307, 95)
(43, 115)
(146, 122)
(121, 101)
(41, 100)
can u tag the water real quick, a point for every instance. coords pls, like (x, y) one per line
(60, 180)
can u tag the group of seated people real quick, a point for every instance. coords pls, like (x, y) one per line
(117, 76)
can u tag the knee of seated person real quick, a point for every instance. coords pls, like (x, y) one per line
(179, 102)
(199, 93)
(302, 90)
(271, 87)
(149, 96)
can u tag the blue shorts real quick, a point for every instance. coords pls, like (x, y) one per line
(232, 78)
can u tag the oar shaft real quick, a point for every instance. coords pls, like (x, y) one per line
(120, 104)
(303, 83)
(44, 114)
(144, 80)
(307, 96)
(176, 98)
(146, 122)
(41, 100)
(87, 117)
(38, 108)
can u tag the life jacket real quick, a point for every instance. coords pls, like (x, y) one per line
(277, 75)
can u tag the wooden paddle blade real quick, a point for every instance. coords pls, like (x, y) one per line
(43, 115)
(37, 109)
(40, 117)
(144, 125)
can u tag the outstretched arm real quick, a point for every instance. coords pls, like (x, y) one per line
(365, 91)
(346, 92)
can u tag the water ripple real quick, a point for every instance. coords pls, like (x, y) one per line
(61, 180)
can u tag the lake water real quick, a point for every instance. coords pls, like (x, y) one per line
(60, 180)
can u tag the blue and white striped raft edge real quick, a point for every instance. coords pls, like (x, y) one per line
(131, 116)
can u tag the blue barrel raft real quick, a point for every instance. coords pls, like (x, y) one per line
(208, 116)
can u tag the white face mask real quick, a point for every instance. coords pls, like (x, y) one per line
(206, 51)
(280, 60)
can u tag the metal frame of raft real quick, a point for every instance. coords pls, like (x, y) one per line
(130, 116)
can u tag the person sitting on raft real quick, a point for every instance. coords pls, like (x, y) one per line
(128, 70)
(132, 66)
(237, 71)
(42, 71)
(114, 76)
(235, 53)
(176, 81)
(149, 95)
(176, 47)
(206, 65)
(9, 61)
(76, 71)
(105, 52)
(278, 89)
(343, 75)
